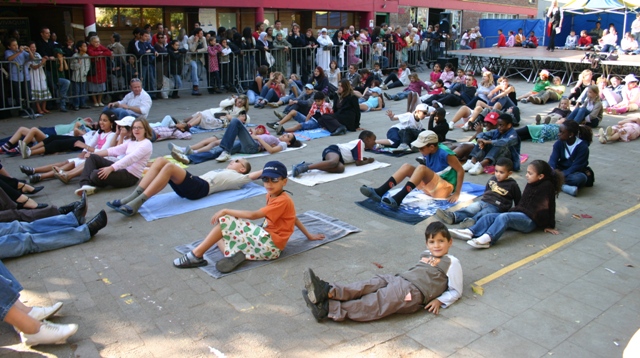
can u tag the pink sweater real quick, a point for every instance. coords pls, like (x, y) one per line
(417, 87)
(136, 156)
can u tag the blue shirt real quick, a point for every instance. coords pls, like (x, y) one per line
(439, 161)
(21, 60)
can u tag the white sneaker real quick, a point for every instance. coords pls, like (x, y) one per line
(477, 169)
(224, 156)
(188, 150)
(462, 234)
(90, 190)
(23, 147)
(180, 157)
(176, 148)
(468, 165)
(451, 125)
(49, 333)
(465, 127)
(603, 136)
(477, 244)
(41, 313)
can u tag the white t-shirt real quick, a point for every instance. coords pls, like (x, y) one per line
(407, 120)
(225, 179)
(352, 151)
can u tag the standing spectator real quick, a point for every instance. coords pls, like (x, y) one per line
(45, 46)
(298, 58)
(215, 82)
(39, 89)
(18, 69)
(197, 47)
(147, 56)
(635, 27)
(62, 84)
(161, 58)
(80, 65)
(176, 63)
(555, 16)
(70, 47)
(118, 63)
(98, 74)
(323, 56)
(131, 47)
(159, 30)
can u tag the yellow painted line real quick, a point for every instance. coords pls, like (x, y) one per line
(477, 286)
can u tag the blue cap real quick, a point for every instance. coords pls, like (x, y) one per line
(274, 169)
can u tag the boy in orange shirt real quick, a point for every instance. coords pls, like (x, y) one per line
(239, 239)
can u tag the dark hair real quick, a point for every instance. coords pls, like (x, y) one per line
(277, 20)
(436, 228)
(263, 70)
(556, 176)
(366, 134)
(580, 131)
(113, 117)
(80, 43)
(116, 37)
(137, 31)
(242, 112)
(246, 33)
(450, 65)
(441, 82)
(506, 118)
(247, 167)
(376, 64)
(322, 75)
(147, 26)
(505, 162)
(172, 42)
(319, 95)
(196, 31)
(440, 113)
(258, 25)
(295, 143)
(158, 25)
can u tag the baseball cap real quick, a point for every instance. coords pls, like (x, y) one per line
(126, 121)
(422, 107)
(544, 73)
(376, 90)
(425, 137)
(274, 169)
(308, 86)
(492, 118)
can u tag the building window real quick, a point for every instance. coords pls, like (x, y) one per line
(127, 16)
(488, 15)
(332, 19)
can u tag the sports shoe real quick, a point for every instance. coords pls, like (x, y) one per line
(29, 170)
(24, 149)
(535, 100)
(299, 168)
(280, 130)
(538, 119)
(189, 260)
(370, 193)
(319, 311)
(317, 289)
(88, 189)
(570, 189)
(462, 234)
(446, 216)
(404, 147)
(273, 125)
(451, 125)
(421, 160)
(175, 148)
(228, 264)
(280, 115)
(436, 103)
(475, 243)
(465, 127)
(468, 165)
(40, 313)
(524, 100)
(609, 131)
(477, 169)
(50, 333)
(224, 156)
(386, 95)
(602, 136)
(273, 104)
(384, 87)
(188, 150)
(180, 157)
(467, 223)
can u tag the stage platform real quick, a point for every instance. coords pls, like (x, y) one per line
(527, 62)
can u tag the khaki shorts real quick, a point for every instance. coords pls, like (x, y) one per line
(437, 188)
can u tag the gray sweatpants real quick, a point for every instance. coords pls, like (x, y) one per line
(378, 297)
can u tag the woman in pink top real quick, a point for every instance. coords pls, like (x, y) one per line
(448, 75)
(630, 97)
(100, 172)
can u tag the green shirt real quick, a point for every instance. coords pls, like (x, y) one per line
(62, 129)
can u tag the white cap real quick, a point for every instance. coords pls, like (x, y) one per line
(126, 121)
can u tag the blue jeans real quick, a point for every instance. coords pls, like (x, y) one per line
(80, 90)
(269, 95)
(194, 72)
(149, 77)
(9, 290)
(490, 152)
(312, 123)
(63, 90)
(121, 113)
(236, 129)
(475, 211)
(55, 232)
(578, 179)
(177, 80)
(382, 60)
(252, 96)
(400, 96)
(495, 225)
(580, 114)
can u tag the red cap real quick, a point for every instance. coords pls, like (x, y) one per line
(492, 118)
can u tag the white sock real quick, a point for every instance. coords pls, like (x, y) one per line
(484, 239)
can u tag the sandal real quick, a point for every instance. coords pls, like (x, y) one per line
(125, 210)
(114, 204)
(62, 176)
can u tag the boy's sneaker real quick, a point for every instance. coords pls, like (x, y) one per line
(570, 189)
(273, 125)
(189, 260)
(49, 333)
(475, 243)
(370, 193)
(609, 131)
(467, 223)
(468, 165)
(224, 156)
(386, 95)
(465, 127)
(462, 234)
(535, 100)
(320, 311)
(451, 125)
(180, 157)
(188, 150)
(228, 264)
(299, 168)
(317, 289)
(538, 119)
(280, 115)
(404, 147)
(477, 169)
(24, 149)
(40, 313)
(280, 130)
(446, 216)
(175, 148)
(88, 189)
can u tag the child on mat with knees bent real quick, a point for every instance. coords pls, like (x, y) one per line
(406, 121)
(536, 209)
(440, 174)
(336, 156)
(240, 240)
(500, 192)
(434, 282)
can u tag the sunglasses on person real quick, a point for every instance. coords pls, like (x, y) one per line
(272, 180)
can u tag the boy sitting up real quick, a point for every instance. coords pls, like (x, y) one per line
(336, 156)
(501, 191)
(440, 176)
(556, 114)
(409, 124)
(434, 282)
(493, 145)
(308, 122)
(584, 42)
(240, 240)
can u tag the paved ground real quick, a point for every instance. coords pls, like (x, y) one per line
(580, 300)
